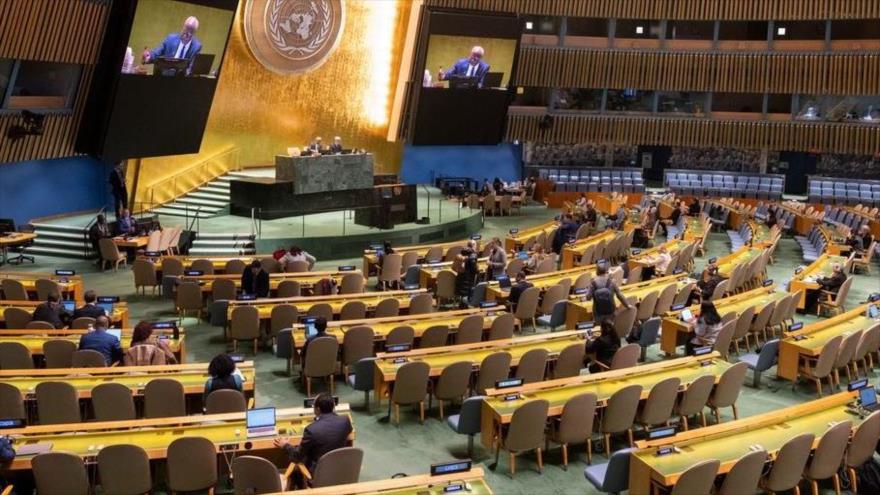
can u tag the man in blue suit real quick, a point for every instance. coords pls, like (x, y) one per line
(473, 66)
(178, 45)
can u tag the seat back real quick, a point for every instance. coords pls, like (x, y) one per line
(743, 323)
(494, 367)
(254, 475)
(828, 456)
(745, 474)
(164, 398)
(82, 323)
(729, 385)
(864, 441)
(569, 362)
(469, 416)
(11, 402)
(60, 473)
(57, 403)
(470, 330)
(364, 374)
(825, 362)
(353, 310)
(338, 467)
(282, 316)
(225, 401)
(357, 344)
(695, 397)
(421, 304)
(387, 307)
(391, 266)
(192, 464)
(401, 335)
(650, 331)
(725, 335)
(435, 336)
(527, 304)
(411, 383)
(113, 402)
(234, 267)
(223, 289)
(16, 317)
(847, 350)
(502, 327)
(526, 431)
(789, 464)
(13, 290)
(620, 412)
(576, 421)
(454, 381)
(664, 301)
(203, 265)
(532, 365)
(647, 305)
(87, 358)
(289, 288)
(245, 323)
(769, 355)
(661, 399)
(321, 357)
(625, 319)
(15, 356)
(697, 479)
(124, 468)
(323, 310)
(297, 266)
(626, 357)
(189, 296)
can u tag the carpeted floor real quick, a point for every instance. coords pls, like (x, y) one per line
(412, 447)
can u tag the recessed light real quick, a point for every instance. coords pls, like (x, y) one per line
(640, 30)
(529, 25)
(780, 31)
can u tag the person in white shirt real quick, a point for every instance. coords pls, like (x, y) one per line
(296, 254)
(659, 263)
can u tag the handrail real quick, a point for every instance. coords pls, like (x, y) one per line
(193, 177)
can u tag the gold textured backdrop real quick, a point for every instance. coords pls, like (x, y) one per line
(261, 113)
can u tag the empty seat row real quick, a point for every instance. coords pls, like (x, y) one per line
(725, 184)
(813, 245)
(844, 192)
(847, 218)
(594, 180)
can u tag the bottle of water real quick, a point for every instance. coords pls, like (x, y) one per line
(426, 80)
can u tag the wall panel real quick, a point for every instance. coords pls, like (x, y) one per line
(783, 136)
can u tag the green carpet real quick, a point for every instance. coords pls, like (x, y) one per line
(412, 447)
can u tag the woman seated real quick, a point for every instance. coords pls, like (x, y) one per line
(147, 350)
(603, 347)
(538, 255)
(706, 328)
(296, 254)
(224, 375)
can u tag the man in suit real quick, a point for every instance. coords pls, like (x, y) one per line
(126, 224)
(328, 432)
(830, 283)
(255, 280)
(182, 45)
(119, 189)
(52, 311)
(321, 327)
(101, 341)
(336, 147)
(472, 66)
(89, 309)
(314, 147)
(518, 288)
(99, 230)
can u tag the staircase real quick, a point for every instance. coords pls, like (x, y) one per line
(66, 241)
(222, 244)
(207, 201)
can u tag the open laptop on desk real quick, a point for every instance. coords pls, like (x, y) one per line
(261, 422)
(868, 399)
(202, 64)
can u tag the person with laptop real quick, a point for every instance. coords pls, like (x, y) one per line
(224, 375)
(318, 329)
(706, 328)
(52, 311)
(90, 309)
(102, 341)
(183, 45)
(328, 432)
(518, 288)
(255, 280)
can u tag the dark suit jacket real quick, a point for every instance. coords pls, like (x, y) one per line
(117, 181)
(258, 285)
(103, 342)
(57, 316)
(168, 49)
(517, 289)
(88, 310)
(833, 282)
(328, 432)
(335, 148)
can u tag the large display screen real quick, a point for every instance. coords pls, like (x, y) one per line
(466, 71)
(156, 79)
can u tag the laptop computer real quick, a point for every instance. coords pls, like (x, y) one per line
(503, 282)
(202, 64)
(493, 79)
(116, 332)
(310, 329)
(868, 399)
(69, 306)
(261, 422)
(523, 255)
(107, 307)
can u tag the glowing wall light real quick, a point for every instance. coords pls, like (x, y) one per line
(382, 21)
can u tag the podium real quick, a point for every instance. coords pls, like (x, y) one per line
(325, 173)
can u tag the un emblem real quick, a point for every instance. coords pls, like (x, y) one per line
(293, 36)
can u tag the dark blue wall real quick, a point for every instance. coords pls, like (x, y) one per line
(49, 187)
(422, 164)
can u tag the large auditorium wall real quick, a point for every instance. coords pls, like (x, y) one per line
(40, 188)
(422, 164)
(261, 113)
(64, 31)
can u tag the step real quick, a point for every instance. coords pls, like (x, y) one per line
(58, 227)
(220, 251)
(72, 244)
(211, 195)
(225, 235)
(198, 201)
(218, 183)
(43, 234)
(183, 208)
(61, 253)
(208, 242)
(217, 191)
(173, 212)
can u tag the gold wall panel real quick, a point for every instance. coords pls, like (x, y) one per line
(678, 9)
(781, 136)
(842, 74)
(261, 113)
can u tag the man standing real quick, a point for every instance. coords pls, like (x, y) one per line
(255, 280)
(328, 432)
(101, 341)
(315, 146)
(182, 45)
(119, 189)
(472, 66)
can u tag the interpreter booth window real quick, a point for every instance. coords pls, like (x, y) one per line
(580, 99)
(799, 35)
(586, 32)
(43, 86)
(779, 107)
(630, 100)
(689, 35)
(742, 35)
(738, 105)
(691, 104)
(635, 33)
(530, 96)
(864, 109)
(541, 30)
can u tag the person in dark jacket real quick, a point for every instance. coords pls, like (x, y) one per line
(706, 285)
(101, 341)
(830, 283)
(52, 311)
(119, 189)
(603, 347)
(99, 230)
(603, 281)
(328, 432)
(255, 280)
(466, 275)
(518, 288)
(89, 309)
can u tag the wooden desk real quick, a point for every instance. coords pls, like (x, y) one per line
(191, 376)
(428, 272)
(440, 357)
(219, 262)
(131, 242)
(807, 279)
(34, 339)
(815, 335)
(835, 244)
(420, 484)
(542, 281)
(336, 301)
(607, 204)
(383, 326)
(696, 229)
(119, 318)
(737, 215)
(227, 431)
(12, 239)
(371, 261)
(743, 255)
(581, 310)
(675, 331)
(802, 222)
(498, 412)
(306, 280)
(640, 258)
(760, 234)
(729, 441)
(513, 242)
(72, 287)
(571, 253)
